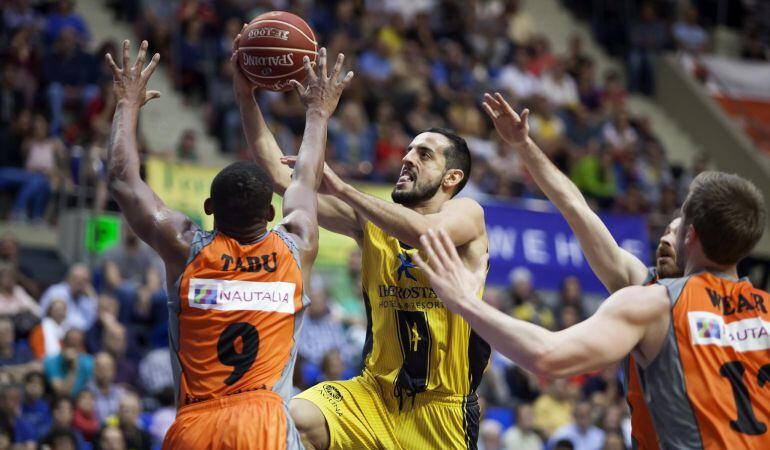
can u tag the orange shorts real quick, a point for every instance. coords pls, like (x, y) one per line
(250, 420)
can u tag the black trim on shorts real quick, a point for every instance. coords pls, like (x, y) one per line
(478, 358)
(471, 419)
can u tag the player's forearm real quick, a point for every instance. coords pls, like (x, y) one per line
(310, 159)
(555, 184)
(122, 155)
(523, 342)
(262, 145)
(398, 221)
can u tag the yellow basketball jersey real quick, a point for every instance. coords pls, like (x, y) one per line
(413, 343)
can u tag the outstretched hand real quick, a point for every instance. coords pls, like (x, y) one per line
(131, 81)
(512, 127)
(323, 91)
(454, 284)
(331, 183)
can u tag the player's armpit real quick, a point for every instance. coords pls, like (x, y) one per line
(634, 317)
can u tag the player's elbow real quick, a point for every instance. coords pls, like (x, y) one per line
(551, 364)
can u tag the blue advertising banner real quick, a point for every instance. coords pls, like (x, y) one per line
(541, 241)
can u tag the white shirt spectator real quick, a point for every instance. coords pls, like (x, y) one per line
(617, 138)
(517, 439)
(155, 372)
(562, 92)
(522, 83)
(591, 439)
(81, 311)
(53, 333)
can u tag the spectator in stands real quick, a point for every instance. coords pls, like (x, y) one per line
(72, 369)
(110, 438)
(618, 133)
(554, 408)
(79, 294)
(187, 150)
(11, 418)
(107, 317)
(517, 79)
(17, 14)
(164, 416)
(115, 342)
(9, 253)
(523, 436)
(54, 327)
(527, 304)
(106, 394)
(62, 18)
(321, 331)
(132, 272)
(375, 63)
(13, 298)
(129, 410)
(593, 174)
(42, 172)
(647, 36)
(34, 409)
(559, 87)
(155, 372)
(352, 138)
(332, 367)
(490, 435)
(16, 358)
(688, 34)
(61, 439)
(190, 59)
(11, 98)
(71, 75)
(63, 416)
(84, 419)
(583, 434)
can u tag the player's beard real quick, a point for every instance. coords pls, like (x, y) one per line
(666, 268)
(417, 194)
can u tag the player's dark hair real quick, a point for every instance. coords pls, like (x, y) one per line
(241, 194)
(728, 213)
(457, 155)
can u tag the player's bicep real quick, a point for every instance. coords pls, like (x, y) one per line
(604, 338)
(339, 217)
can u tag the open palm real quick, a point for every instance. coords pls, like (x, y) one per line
(130, 81)
(512, 127)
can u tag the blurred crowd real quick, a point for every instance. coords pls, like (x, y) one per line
(84, 363)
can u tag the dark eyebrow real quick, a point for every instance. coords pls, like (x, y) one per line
(422, 148)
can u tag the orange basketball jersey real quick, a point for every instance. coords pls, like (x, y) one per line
(643, 434)
(709, 387)
(236, 316)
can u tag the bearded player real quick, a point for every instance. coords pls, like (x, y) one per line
(236, 294)
(614, 266)
(701, 341)
(422, 363)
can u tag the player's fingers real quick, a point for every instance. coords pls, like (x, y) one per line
(150, 69)
(308, 68)
(126, 55)
(140, 58)
(297, 87)
(116, 73)
(237, 41)
(425, 267)
(427, 247)
(525, 115)
(438, 247)
(337, 67)
(322, 62)
(289, 161)
(506, 107)
(348, 77)
(151, 95)
(449, 247)
(488, 98)
(490, 112)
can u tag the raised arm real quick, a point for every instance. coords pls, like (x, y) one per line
(168, 232)
(333, 214)
(617, 328)
(461, 218)
(300, 203)
(615, 267)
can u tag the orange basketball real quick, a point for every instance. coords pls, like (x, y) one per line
(272, 47)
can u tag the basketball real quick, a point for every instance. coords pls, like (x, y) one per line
(272, 48)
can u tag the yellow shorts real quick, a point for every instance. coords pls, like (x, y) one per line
(361, 415)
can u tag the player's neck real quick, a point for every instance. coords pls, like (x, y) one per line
(245, 235)
(704, 264)
(430, 206)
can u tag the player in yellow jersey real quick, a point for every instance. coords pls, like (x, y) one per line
(422, 362)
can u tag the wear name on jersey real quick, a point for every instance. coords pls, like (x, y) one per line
(742, 335)
(233, 295)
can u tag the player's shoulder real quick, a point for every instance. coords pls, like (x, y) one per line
(465, 205)
(641, 303)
